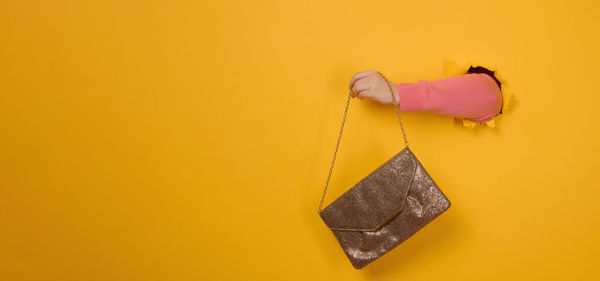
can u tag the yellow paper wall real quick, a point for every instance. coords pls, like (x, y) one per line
(190, 140)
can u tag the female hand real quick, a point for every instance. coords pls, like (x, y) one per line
(370, 84)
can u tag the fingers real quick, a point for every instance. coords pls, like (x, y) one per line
(358, 76)
(365, 94)
(359, 87)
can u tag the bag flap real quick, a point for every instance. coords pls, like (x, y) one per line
(376, 199)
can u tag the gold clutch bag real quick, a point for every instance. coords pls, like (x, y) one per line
(384, 208)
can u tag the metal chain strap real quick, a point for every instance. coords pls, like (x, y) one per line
(342, 129)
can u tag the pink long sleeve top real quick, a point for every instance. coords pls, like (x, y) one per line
(472, 96)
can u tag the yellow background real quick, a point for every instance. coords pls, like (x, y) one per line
(190, 140)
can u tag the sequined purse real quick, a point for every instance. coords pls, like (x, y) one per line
(384, 208)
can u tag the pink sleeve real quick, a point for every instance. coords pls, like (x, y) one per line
(473, 96)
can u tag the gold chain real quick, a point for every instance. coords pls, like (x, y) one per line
(342, 129)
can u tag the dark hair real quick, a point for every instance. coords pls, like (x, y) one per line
(481, 69)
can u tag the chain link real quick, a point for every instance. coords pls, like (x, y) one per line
(342, 129)
(396, 106)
